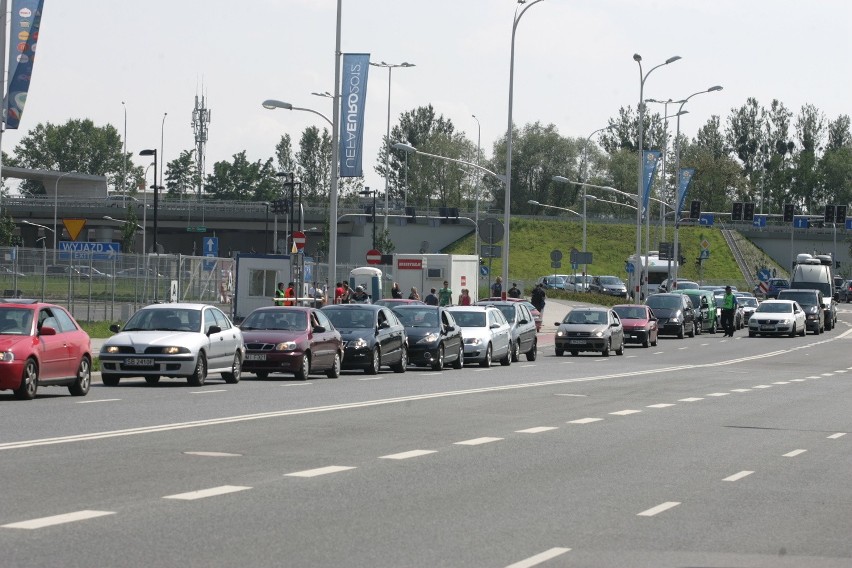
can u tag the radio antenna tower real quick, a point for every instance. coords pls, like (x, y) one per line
(200, 120)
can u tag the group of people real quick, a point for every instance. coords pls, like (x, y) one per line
(288, 296)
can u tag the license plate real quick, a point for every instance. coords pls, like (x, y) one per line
(255, 356)
(138, 362)
(577, 342)
(767, 327)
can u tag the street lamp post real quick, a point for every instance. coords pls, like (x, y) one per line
(390, 67)
(476, 190)
(585, 179)
(155, 187)
(677, 177)
(55, 210)
(642, 78)
(124, 159)
(162, 140)
(272, 104)
(507, 201)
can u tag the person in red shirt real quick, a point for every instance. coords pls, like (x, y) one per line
(338, 292)
(290, 295)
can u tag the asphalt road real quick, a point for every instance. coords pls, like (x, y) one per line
(697, 452)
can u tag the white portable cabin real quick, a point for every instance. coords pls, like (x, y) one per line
(426, 271)
(369, 278)
(257, 276)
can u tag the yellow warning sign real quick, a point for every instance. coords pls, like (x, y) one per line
(74, 226)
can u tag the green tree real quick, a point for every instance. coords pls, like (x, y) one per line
(182, 175)
(384, 242)
(128, 230)
(284, 155)
(7, 229)
(314, 161)
(242, 180)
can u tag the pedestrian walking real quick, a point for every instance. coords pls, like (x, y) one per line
(497, 288)
(445, 295)
(431, 299)
(729, 306)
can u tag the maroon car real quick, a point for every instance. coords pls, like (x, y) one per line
(298, 340)
(41, 345)
(639, 323)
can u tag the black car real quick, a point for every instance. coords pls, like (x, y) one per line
(674, 312)
(373, 337)
(433, 336)
(811, 302)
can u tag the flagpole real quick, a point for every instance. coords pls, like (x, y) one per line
(3, 43)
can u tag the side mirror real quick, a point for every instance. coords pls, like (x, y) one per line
(115, 328)
(614, 324)
(450, 328)
(495, 326)
(213, 329)
(557, 323)
(523, 322)
(46, 330)
(384, 325)
(319, 329)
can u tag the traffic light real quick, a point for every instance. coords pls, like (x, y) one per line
(828, 217)
(789, 212)
(840, 214)
(695, 209)
(748, 211)
(737, 212)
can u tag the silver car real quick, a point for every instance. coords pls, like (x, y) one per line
(174, 340)
(590, 329)
(486, 334)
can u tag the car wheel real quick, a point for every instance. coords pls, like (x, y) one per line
(802, 331)
(751, 334)
(647, 342)
(304, 369)
(233, 377)
(654, 343)
(110, 380)
(375, 363)
(487, 361)
(605, 350)
(574, 353)
(697, 328)
(261, 374)
(533, 352)
(516, 352)
(713, 328)
(438, 361)
(403, 361)
(199, 376)
(80, 386)
(29, 381)
(507, 360)
(152, 379)
(793, 331)
(459, 362)
(334, 371)
(559, 352)
(692, 330)
(620, 350)
(680, 332)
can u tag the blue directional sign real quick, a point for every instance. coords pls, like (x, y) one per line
(849, 224)
(483, 271)
(801, 222)
(96, 251)
(758, 221)
(628, 266)
(210, 248)
(706, 220)
(763, 274)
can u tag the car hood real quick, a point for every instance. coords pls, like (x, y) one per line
(581, 327)
(760, 316)
(414, 333)
(272, 335)
(665, 312)
(348, 334)
(480, 332)
(7, 342)
(633, 322)
(137, 339)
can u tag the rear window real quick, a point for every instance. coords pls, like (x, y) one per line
(804, 298)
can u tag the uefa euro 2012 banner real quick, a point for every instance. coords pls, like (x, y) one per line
(23, 37)
(352, 99)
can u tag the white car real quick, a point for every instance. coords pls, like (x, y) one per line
(777, 317)
(174, 340)
(486, 334)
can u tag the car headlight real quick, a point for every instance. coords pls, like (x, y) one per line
(429, 338)
(599, 334)
(560, 333)
(359, 343)
(473, 341)
(675, 319)
(286, 346)
(7, 357)
(111, 349)
(173, 350)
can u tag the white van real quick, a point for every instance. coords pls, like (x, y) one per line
(814, 273)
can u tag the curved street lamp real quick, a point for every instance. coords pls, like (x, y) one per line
(412, 150)
(273, 104)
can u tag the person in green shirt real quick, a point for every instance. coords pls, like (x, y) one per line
(729, 306)
(445, 295)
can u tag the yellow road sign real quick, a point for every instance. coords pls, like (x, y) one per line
(74, 226)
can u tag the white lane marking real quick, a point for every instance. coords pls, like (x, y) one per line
(298, 385)
(319, 471)
(738, 476)
(704, 344)
(631, 357)
(478, 441)
(762, 387)
(813, 377)
(527, 366)
(827, 374)
(208, 391)
(719, 394)
(372, 379)
(584, 421)
(838, 435)
(58, 520)
(781, 383)
(101, 400)
(567, 362)
(794, 453)
(657, 352)
(537, 430)
(797, 380)
(485, 370)
(840, 371)
(407, 455)
(213, 454)
(625, 412)
(204, 493)
(658, 509)
(682, 348)
(740, 390)
(539, 558)
(691, 399)
(578, 395)
(435, 374)
(661, 405)
(599, 360)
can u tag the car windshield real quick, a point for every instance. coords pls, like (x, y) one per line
(775, 308)
(470, 319)
(611, 281)
(284, 320)
(779, 283)
(593, 317)
(351, 319)
(417, 317)
(16, 321)
(804, 298)
(165, 319)
(666, 302)
(686, 285)
(630, 312)
(747, 302)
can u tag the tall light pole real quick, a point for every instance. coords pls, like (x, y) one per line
(153, 152)
(642, 78)
(390, 67)
(585, 179)
(272, 104)
(124, 159)
(677, 177)
(507, 201)
(663, 178)
(162, 154)
(55, 210)
(476, 189)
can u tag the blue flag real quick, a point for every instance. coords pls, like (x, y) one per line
(649, 168)
(684, 176)
(26, 20)
(352, 102)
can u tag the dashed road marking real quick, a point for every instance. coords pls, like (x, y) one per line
(435, 374)
(58, 520)
(527, 366)
(301, 384)
(682, 348)
(584, 421)
(658, 509)
(372, 379)
(838, 435)
(719, 394)
(537, 430)
(319, 471)
(539, 558)
(407, 455)
(762, 387)
(625, 412)
(101, 400)
(213, 454)
(477, 441)
(813, 377)
(204, 493)
(840, 371)
(690, 399)
(578, 395)
(658, 352)
(781, 383)
(738, 476)
(827, 374)
(794, 453)
(208, 391)
(740, 390)
(661, 405)
(797, 380)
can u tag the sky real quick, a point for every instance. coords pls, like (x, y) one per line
(574, 64)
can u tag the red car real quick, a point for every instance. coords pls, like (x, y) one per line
(639, 323)
(42, 345)
(535, 313)
(298, 340)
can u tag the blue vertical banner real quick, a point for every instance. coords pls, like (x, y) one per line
(650, 158)
(23, 37)
(352, 103)
(684, 176)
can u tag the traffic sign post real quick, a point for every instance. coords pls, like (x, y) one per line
(210, 249)
(299, 240)
(69, 250)
(374, 256)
